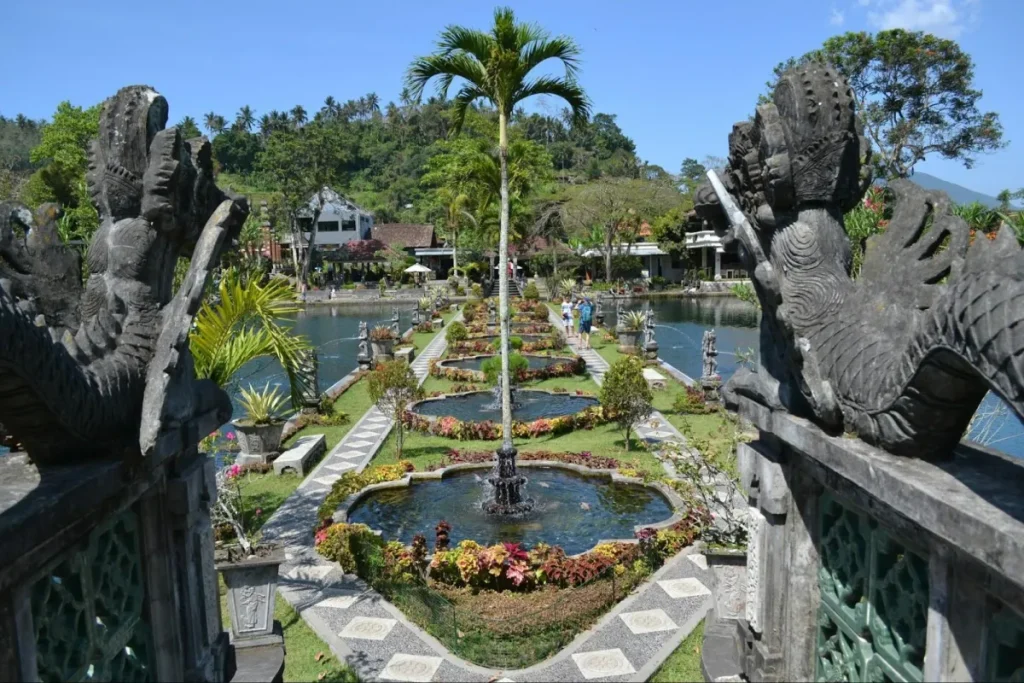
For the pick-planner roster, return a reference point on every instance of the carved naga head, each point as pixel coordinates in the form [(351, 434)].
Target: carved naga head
[(137, 167), (803, 149)]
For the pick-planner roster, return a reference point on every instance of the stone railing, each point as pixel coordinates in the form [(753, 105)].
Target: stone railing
[(107, 572), (868, 566)]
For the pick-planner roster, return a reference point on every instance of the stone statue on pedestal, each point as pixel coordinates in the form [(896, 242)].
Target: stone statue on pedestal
[(363, 358), (710, 380), (394, 323), (650, 344)]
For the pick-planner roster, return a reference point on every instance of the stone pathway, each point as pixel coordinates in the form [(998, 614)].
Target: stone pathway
[(373, 636)]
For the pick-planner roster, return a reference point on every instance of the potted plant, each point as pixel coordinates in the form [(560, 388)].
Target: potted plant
[(658, 283), (249, 567), (382, 339), (630, 329), (259, 432)]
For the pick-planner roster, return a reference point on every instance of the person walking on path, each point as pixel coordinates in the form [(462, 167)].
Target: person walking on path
[(586, 308), (567, 317)]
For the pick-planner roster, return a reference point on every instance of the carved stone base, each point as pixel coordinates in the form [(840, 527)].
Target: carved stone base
[(651, 351), (252, 586), (711, 386), (729, 569)]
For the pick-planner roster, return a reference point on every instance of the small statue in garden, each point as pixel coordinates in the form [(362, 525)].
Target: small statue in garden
[(363, 358), (394, 323), (710, 380), (650, 344)]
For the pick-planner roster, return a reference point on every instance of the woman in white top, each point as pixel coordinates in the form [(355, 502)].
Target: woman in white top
[(567, 316)]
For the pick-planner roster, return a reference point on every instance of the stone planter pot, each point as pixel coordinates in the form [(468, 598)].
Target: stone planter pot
[(257, 442), (629, 341), (729, 572), (384, 349), (252, 586)]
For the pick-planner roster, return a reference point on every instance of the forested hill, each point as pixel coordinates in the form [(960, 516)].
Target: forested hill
[(385, 150)]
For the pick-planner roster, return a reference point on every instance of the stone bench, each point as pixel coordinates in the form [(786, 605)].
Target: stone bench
[(655, 379), (407, 354), (297, 458)]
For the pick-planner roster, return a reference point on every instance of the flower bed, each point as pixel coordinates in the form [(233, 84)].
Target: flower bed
[(568, 368), (351, 482), (504, 566), (586, 459), (552, 342), (452, 428)]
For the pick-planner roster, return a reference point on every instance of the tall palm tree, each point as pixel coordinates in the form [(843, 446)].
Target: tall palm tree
[(245, 119), (496, 66), (298, 115), (210, 120)]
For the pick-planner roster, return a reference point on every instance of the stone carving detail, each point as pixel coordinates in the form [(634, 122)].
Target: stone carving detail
[(755, 601), (363, 357), (106, 370), (904, 355), (250, 608), (394, 323), (709, 353)]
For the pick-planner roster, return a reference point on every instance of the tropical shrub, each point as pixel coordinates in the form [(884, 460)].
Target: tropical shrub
[(691, 402), (382, 333), (452, 428), (626, 395), (540, 313), (634, 321), (263, 406), (515, 343), (477, 290), (393, 387), (517, 366), (456, 332), (530, 292)]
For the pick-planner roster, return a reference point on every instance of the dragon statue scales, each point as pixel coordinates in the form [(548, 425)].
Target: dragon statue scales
[(903, 355), (106, 371)]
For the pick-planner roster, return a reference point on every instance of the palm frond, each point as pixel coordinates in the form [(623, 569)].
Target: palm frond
[(562, 48), (467, 95), (446, 67), (454, 39), (566, 88)]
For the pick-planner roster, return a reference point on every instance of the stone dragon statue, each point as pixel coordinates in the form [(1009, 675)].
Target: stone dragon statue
[(901, 356), (105, 371)]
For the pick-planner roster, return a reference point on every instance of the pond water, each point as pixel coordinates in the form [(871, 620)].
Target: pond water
[(474, 363), (611, 511), (478, 406), (680, 325)]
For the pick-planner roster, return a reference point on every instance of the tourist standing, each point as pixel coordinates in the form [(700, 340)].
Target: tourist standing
[(567, 317), (586, 320)]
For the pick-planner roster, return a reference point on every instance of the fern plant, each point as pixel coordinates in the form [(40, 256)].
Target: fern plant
[(263, 406)]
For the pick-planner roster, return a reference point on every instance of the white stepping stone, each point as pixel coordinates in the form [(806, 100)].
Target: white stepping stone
[(699, 560), (367, 435), (328, 480), (341, 466), (659, 434), (315, 572), (358, 444), (338, 601), (377, 418), (368, 628), (352, 454), (684, 588), (603, 663), (417, 668), (648, 621)]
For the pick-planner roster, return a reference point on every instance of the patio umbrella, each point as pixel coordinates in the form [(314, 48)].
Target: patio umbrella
[(417, 268)]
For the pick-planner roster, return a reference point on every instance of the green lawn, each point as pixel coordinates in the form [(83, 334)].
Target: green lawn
[(354, 403), (683, 665), (307, 658)]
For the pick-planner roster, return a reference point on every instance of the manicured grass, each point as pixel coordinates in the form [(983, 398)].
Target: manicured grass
[(684, 662), (307, 658), (354, 403), (266, 492)]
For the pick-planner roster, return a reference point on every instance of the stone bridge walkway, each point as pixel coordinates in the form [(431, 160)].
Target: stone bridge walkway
[(373, 636)]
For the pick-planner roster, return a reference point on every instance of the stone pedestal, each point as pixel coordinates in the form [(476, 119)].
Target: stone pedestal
[(711, 386), (252, 586), (651, 351)]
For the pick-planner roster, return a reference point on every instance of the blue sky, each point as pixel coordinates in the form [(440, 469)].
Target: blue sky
[(677, 74)]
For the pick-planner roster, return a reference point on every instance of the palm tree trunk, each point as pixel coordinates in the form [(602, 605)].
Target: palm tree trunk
[(455, 252), (296, 243), (608, 255), (506, 386)]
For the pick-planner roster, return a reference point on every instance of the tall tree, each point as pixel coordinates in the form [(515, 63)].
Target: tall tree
[(496, 67), (303, 163), (916, 95), (245, 119), (298, 115), (188, 128), (692, 173), (214, 123)]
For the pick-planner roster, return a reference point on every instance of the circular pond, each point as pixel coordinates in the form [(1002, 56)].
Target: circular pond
[(475, 362), (477, 406), (570, 510)]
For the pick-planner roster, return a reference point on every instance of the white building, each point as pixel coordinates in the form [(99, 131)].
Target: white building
[(340, 222), (713, 257)]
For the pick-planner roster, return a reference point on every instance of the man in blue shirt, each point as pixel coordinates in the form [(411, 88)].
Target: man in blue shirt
[(586, 308)]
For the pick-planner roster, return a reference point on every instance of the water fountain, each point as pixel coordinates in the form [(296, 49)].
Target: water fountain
[(508, 485)]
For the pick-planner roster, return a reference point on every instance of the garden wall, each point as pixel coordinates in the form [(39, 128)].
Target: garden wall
[(107, 572), (868, 566)]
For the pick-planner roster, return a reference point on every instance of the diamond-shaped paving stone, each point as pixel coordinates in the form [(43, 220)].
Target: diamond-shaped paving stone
[(338, 601), (366, 435), (659, 434), (352, 454), (648, 621), (315, 572), (358, 444), (699, 560), (368, 628), (377, 418), (603, 663), (684, 588), (404, 667), (341, 466), (328, 480)]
